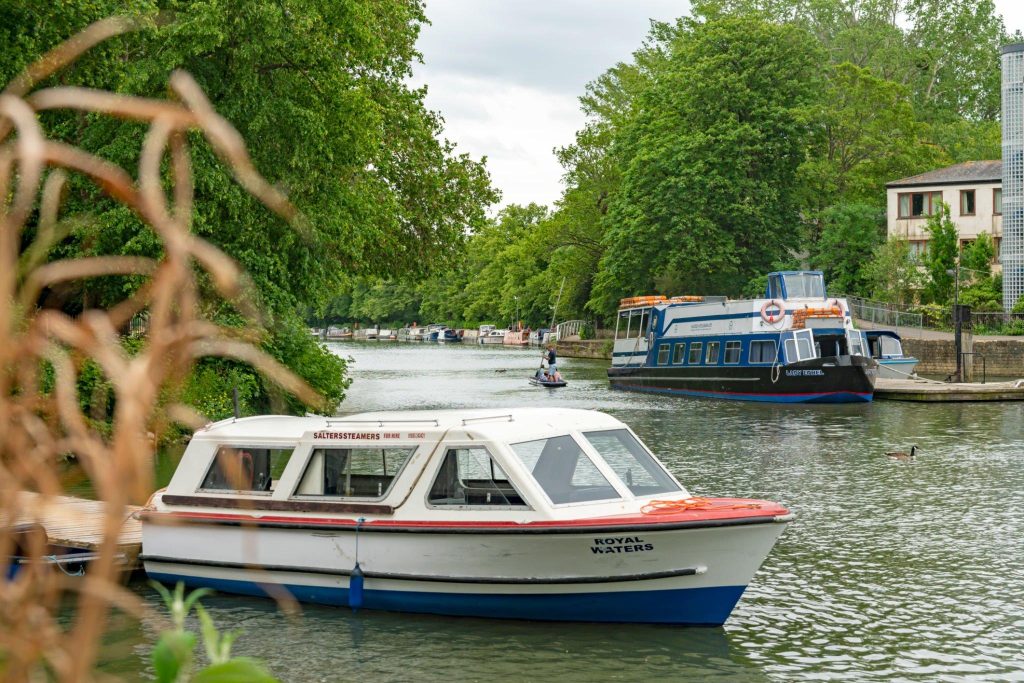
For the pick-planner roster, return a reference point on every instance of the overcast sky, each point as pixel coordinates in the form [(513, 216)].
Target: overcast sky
[(506, 75)]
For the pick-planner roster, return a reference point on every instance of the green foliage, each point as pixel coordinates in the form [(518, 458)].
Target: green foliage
[(851, 233), (1018, 306), (320, 92), (893, 273), (724, 122), (209, 389), (173, 655), (977, 257), (943, 247)]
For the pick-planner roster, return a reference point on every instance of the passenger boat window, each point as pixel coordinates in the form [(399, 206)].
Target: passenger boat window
[(712, 357), (805, 286), (695, 351), (352, 472), (641, 473), (469, 476), (800, 346), (564, 471), (857, 343), (732, 352), (677, 353), (663, 354), (762, 351), (246, 468)]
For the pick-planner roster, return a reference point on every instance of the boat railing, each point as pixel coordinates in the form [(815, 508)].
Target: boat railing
[(380, 423), (483, 418)]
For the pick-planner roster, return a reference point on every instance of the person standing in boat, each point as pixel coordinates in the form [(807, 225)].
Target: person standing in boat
[(552, 364)]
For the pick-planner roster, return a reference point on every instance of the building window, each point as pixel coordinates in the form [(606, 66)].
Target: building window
[(997, 201), (919, 204), (695, 348), (677, 353), (918, 248), (732, 352), (762, 351), (967, 203), (712, 357)]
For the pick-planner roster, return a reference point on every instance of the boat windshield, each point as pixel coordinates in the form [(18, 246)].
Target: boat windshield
[(642, 474), (890, 347), (804, 285), (564, 471)]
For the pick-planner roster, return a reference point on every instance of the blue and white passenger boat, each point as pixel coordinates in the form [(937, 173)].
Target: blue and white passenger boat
[(528, 513), (795, 345)]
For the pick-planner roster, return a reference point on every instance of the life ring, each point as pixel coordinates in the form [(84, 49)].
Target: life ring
[(768, 317)]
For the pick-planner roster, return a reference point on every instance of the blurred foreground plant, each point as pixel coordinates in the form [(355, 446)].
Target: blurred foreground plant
[(173, 655), (43, 352)]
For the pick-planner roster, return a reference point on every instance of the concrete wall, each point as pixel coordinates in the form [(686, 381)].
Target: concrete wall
[(1003, 358), (598, 348)]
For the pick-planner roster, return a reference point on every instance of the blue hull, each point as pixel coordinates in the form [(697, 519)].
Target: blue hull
[(825, 397), (692, 606)]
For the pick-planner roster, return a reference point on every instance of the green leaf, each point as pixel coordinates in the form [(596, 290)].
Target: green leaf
[(238, 670), (172, 655)]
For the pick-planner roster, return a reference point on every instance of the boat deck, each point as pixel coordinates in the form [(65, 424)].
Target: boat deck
[(78, 523), (933, 391)]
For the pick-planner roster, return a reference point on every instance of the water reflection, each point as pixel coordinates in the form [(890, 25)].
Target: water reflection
[(892, 570)]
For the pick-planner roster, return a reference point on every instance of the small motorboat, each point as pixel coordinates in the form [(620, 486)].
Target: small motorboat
[(493, 336), (886, 347), (528, 513), (448, 335)]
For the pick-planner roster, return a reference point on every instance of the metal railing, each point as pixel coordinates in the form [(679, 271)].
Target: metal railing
[(880, 313), (570, 328)]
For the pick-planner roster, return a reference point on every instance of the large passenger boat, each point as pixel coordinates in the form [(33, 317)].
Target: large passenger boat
[(795, 345), (548, 514)]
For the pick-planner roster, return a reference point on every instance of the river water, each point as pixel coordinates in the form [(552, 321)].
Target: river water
[(892, 570)]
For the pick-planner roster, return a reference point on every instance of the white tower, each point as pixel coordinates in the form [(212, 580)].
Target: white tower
[(1012, 252)]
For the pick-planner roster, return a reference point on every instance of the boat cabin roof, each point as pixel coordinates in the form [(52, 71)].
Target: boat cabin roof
[(496, 424)]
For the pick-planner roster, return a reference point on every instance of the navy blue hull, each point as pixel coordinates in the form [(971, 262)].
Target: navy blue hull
[(692, 606), (848, 379)]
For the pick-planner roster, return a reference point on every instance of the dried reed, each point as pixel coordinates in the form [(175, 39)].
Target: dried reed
[(37, 426)]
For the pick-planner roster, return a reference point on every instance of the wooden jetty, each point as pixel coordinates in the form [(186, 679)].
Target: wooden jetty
[(78, 523), (939, 392)]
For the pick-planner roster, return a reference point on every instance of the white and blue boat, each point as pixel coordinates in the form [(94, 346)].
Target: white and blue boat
[(528, 513), (795, 345), (887, 348)]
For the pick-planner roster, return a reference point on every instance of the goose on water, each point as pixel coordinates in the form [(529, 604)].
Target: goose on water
[(902, 455)]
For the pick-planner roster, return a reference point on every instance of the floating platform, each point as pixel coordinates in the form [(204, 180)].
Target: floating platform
[(932, 391), (78, 523)]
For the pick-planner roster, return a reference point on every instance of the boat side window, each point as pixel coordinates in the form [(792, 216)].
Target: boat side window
[(246, 468), (791, 356), (641, 473), (564, 471), (469, 476), (890, 347), (663, 353), (352, 472), (712, 357), (762, 351), (695, 351), (732, 352), (677, 353)]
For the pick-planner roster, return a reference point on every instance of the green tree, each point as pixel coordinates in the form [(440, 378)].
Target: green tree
[(940, 259), (977, 257), (710, 161), (894, 273), (320, 91), (850, 235)]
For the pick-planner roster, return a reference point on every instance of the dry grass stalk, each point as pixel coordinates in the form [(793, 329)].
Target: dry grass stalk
[(38, 427)]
